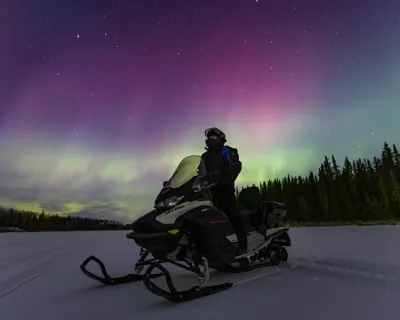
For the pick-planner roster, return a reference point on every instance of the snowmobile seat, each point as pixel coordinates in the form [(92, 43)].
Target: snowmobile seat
[(250, 207), (258, 214), (250, 198)]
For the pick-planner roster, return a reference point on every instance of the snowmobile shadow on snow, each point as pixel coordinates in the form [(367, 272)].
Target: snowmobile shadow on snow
[(186, 230)]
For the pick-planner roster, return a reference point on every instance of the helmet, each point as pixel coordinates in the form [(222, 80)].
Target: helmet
[(215, 132), (215, 137)]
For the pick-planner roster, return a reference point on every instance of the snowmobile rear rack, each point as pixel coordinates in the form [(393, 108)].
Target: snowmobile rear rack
[(107, 279), (174, 295)]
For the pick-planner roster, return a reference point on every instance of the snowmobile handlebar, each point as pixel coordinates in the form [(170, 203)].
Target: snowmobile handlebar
[(203, 185)]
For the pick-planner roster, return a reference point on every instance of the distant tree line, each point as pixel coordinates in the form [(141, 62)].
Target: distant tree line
[(361, 190), (31, 221)]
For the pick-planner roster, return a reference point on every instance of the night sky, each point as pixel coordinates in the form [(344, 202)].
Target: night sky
[(100, 100)]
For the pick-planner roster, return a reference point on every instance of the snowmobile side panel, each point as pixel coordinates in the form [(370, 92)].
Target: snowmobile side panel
[(210, 218), (170, 216), (209, 229)]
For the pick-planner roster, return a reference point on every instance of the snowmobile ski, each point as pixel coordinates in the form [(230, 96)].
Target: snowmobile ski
[(174, 295)]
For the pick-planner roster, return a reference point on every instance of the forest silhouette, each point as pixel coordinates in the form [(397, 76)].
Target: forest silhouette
[(361, 191), (32, 221)]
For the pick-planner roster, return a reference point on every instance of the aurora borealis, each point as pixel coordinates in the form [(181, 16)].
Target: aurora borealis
[(100, 100)]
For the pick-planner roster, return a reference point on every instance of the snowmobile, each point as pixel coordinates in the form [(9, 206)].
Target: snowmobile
[(185, 229)]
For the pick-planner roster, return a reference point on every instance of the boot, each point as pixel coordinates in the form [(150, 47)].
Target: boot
[(240, 251)]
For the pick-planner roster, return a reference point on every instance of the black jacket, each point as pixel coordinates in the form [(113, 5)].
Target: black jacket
[(223, 166)]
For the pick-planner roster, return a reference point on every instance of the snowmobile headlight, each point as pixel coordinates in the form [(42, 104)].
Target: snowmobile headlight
[(170, 202)]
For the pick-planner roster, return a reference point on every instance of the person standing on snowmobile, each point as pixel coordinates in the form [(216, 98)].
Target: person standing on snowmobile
[(223, 166)]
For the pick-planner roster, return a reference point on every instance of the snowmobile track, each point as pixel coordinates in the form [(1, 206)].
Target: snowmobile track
[(263, 275), (28, 276)]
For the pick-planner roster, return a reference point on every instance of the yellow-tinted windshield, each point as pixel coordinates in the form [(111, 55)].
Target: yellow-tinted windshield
[(187, 169)]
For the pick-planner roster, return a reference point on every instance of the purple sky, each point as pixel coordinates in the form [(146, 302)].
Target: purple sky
[(99, 100)]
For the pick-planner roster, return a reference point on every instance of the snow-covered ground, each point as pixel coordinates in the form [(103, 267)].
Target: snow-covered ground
[(333, 273)]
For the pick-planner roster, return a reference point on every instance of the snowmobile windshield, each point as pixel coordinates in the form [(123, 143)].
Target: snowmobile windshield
[(188, 168)]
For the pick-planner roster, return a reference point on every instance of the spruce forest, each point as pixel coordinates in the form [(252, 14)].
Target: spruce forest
[(363, 191)]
